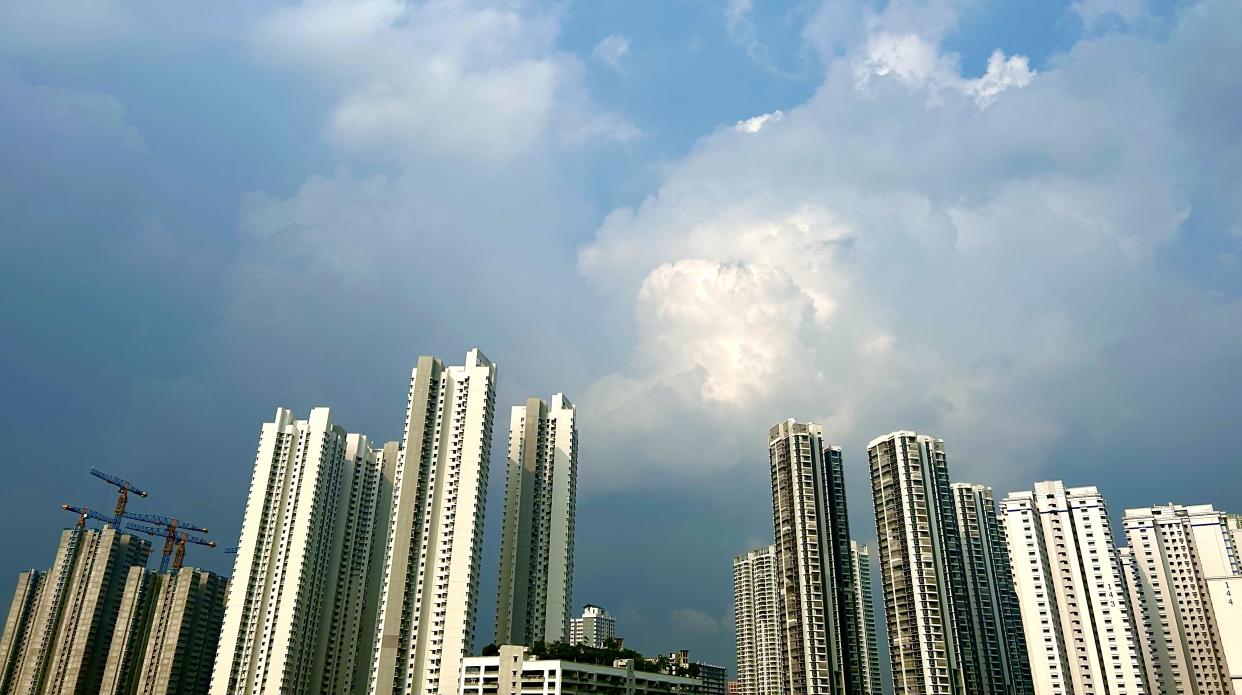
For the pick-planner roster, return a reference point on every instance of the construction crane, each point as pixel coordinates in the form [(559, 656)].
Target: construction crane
[(84, 514), (179, 541), (170, 528), (122, 497)]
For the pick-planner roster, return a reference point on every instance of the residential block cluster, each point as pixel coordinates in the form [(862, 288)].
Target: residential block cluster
[(1031, 595), (357, 571)]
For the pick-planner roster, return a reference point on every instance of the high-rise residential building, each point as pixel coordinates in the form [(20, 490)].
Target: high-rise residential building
[(1179, 638), (756, 620), (995, 621), (129, 636), (1068, 576), (167, 631), (1218, 539), (864, 605), (347, 631), (429, 597), (593, 628), (816, 590), (921, 565), (69, 629), (537, 542), (303, 542), (1234, 523), (17, 626)]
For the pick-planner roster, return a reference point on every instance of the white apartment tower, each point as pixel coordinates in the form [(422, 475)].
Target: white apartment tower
[(1218, 536), (537, 542), (1180, 641), (303, 538), (756, 620), (810, 524), (995, 621), (1069, 581), (915, 531), (429, 596), (347, 632), (593, 628), (864, 606)]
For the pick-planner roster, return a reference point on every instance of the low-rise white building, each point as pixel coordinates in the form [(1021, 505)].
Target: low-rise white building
[(514, 672), (594, 628)]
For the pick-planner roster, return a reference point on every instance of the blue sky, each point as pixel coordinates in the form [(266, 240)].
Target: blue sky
[(1013, 225)]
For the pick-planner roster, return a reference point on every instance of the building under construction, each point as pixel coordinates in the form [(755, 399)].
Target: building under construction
[(98, 622)]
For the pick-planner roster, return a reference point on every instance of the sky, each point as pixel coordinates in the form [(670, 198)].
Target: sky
[(1016, 226)]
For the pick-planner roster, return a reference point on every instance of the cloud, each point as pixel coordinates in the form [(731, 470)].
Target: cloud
[(743, 31), (695, 621), (873, 263), (918, 64), (612, 50), (60, 114), (1099, 15), (756, 123), (480, 80)]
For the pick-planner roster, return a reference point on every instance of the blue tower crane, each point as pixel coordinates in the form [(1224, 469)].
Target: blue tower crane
[(122, 497), (84, 514), (180, 541), (169, 527)]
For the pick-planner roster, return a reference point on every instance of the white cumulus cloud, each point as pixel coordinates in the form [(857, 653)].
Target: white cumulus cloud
[(612, 51)]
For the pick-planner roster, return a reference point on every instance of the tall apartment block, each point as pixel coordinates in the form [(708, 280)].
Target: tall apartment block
[(815, 577), (864, 605), (1218, 539), (1080, 632), (537, 542), (757, 623), (995, 620), (166, 635), (1179, 638), (13, 640), (347, 632), (303, 537), (593, 628), (429, 596), (921, 565), (68, 629)]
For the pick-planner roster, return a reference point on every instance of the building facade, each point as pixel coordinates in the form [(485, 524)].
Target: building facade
[(288, 571), (69, 628), (864, 602), (1179, 637), (1217, 539), (514, 672), (816, 592), (713, 679), (921, 566), (167, 632), (429, 595), (1070, 584), (995, 624), (756, 620), (17, 626), (129, 636), (537, 541), (593, 628), (347, 631)]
